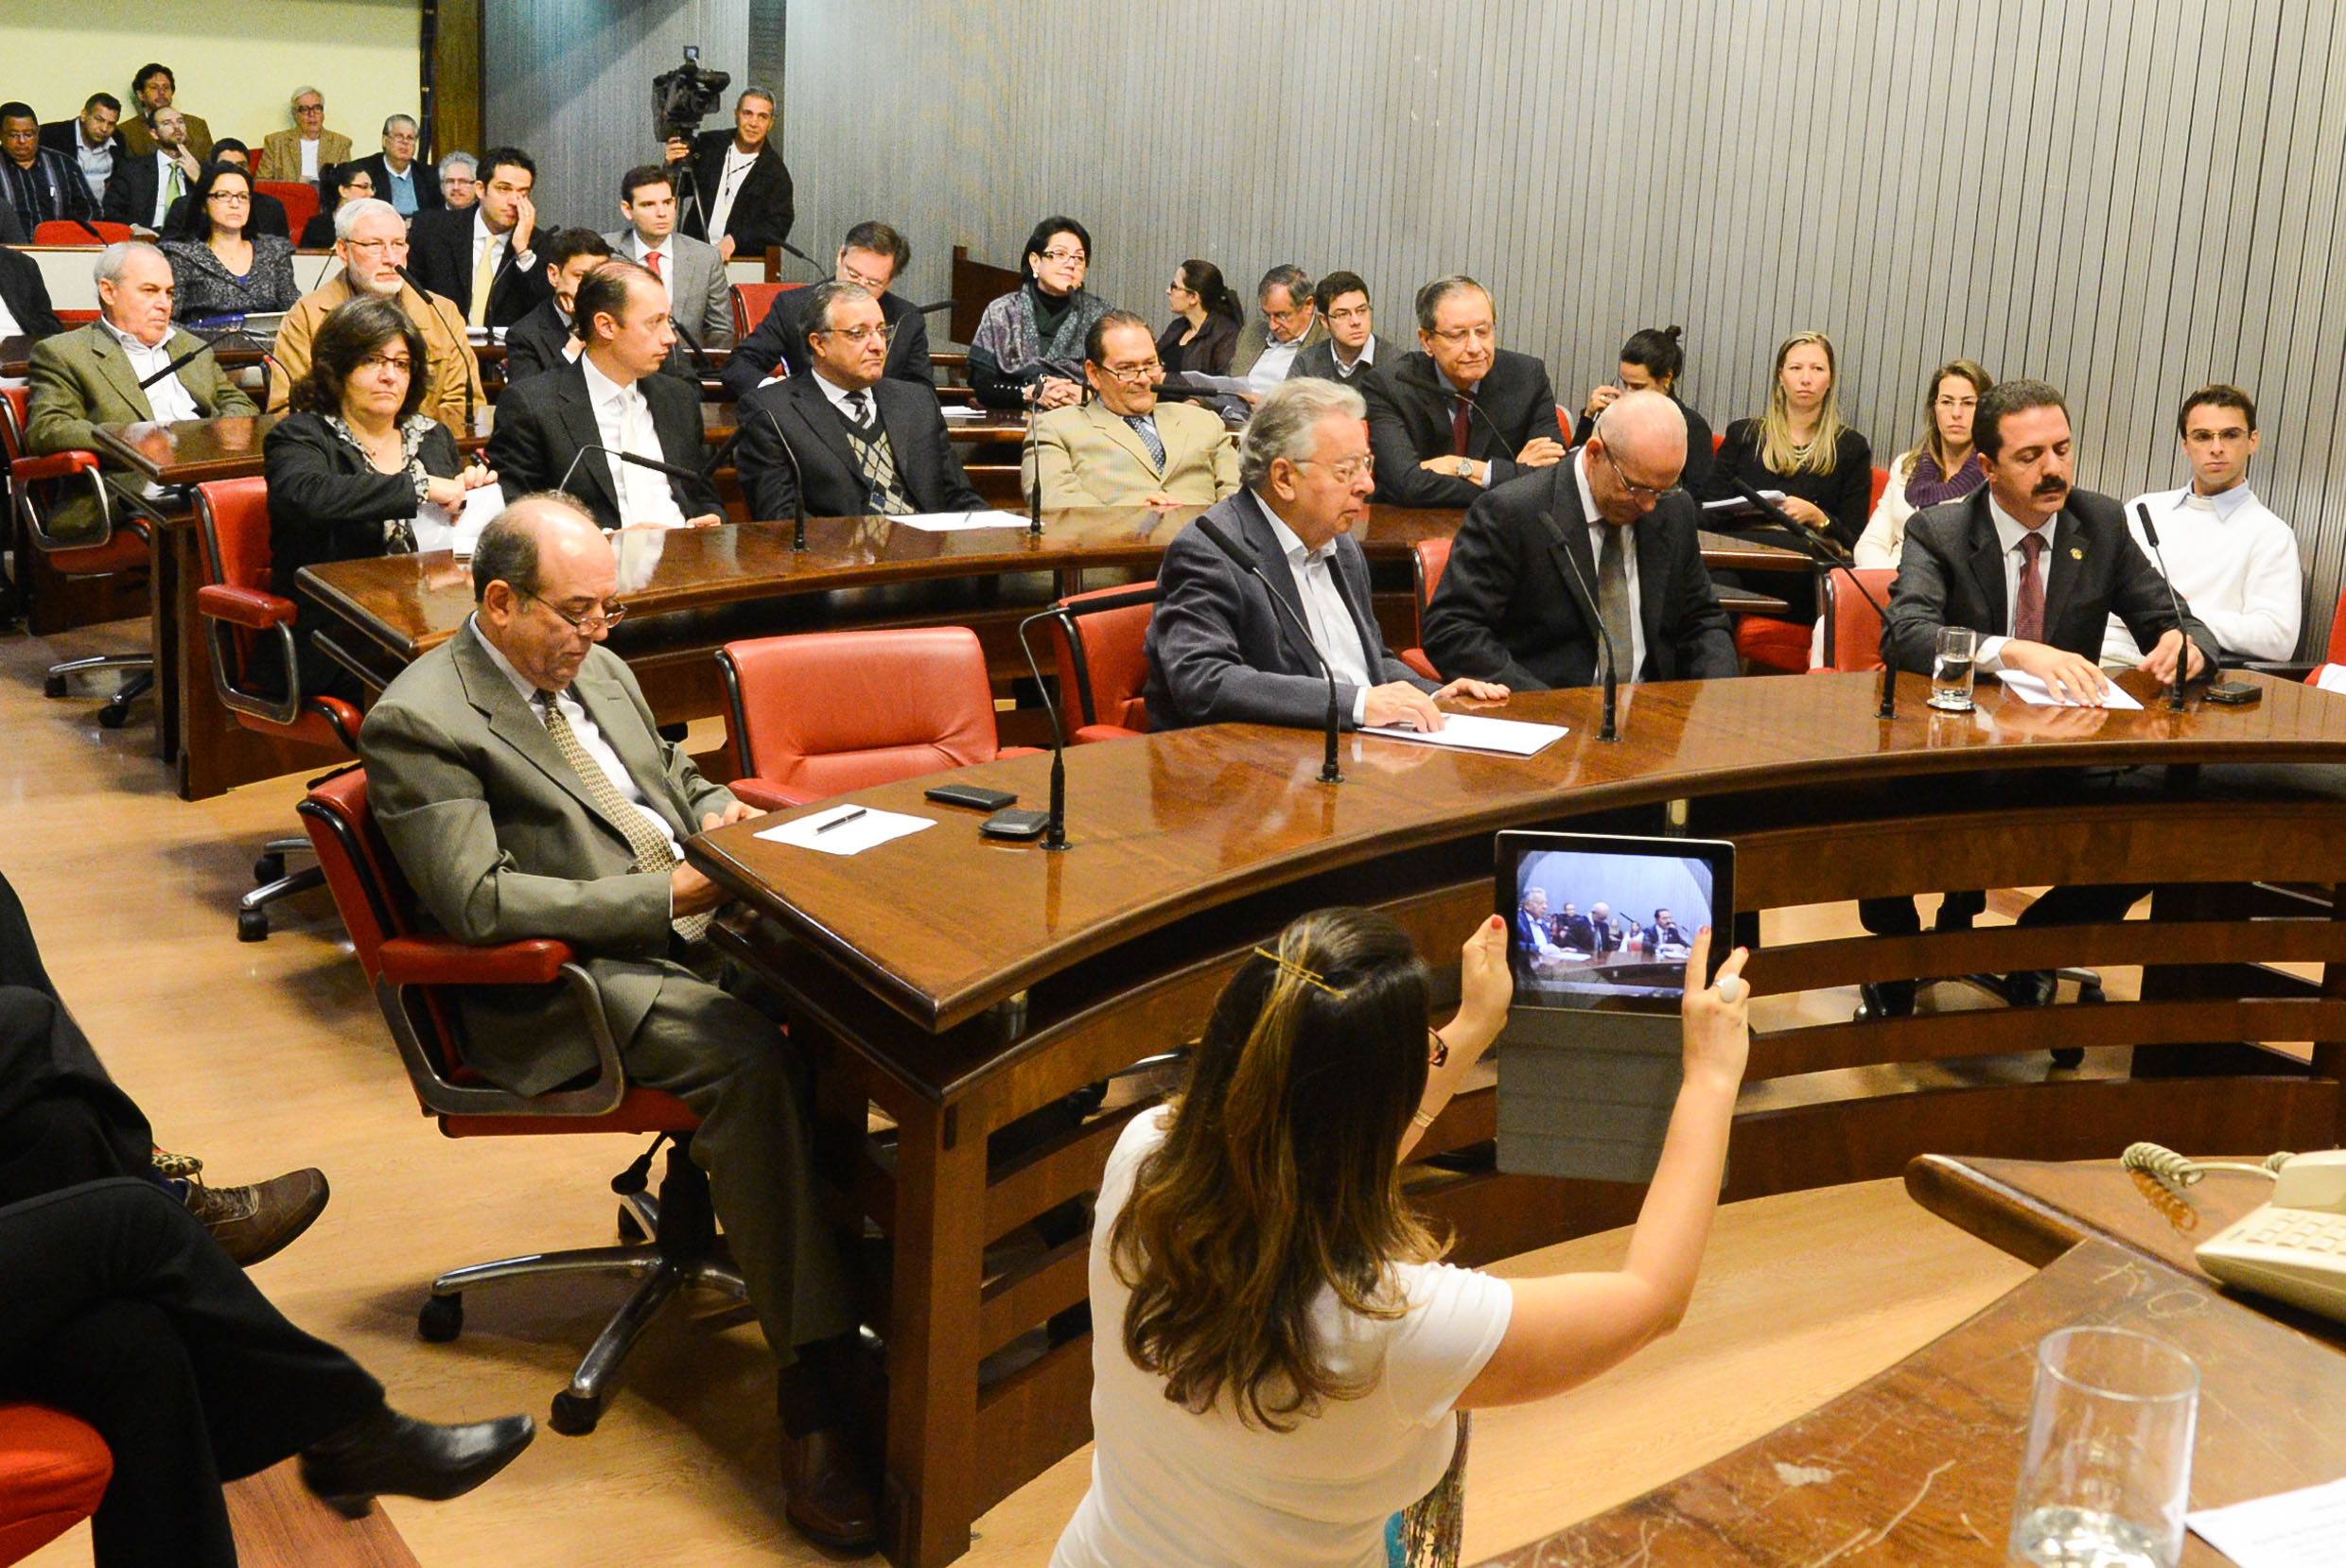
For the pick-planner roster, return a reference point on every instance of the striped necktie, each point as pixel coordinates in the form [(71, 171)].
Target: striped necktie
[(1146, 428), (653, 851)]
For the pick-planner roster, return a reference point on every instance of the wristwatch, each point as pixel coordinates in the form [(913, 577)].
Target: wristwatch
[(1466, 468)]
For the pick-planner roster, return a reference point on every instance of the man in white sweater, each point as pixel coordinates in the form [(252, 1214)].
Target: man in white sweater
[(2232, 561)]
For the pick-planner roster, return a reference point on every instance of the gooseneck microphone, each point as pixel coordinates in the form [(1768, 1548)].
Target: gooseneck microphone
[(1245, 561), (785, 244), (202, 347), (797, 475), (1609, 729), (2183, 654), (431, 302), (1825, 553), (699, 357), (1032, 460), (653, 464)]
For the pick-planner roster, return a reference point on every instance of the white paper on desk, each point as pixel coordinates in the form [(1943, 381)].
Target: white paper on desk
[(2033, 691), (962, 411), (1473, 732), (435, 530), (850, 838), (948, 522), (2291, 1529)]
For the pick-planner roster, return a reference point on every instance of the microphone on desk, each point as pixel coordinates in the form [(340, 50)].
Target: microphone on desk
[(1474, 410), (1055, 831), (1245, 562), (786, 245), (797, 475), (1825, 552), (1031, 460), (2183, 656), (431, 303), (692, 345), (653, 463), (932, 309), (204, 346), (1609, 729)]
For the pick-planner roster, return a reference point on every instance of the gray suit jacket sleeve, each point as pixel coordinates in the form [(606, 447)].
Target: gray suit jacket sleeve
[(1194, 642)]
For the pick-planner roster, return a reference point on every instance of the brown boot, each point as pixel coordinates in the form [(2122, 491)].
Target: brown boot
[(254, 1222), (830, 1501)]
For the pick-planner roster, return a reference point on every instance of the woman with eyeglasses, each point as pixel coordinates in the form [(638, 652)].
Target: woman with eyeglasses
[(352, 467), (220, 267), (1278, 1356), (353, 183), (1207, 318), (1028, 347), (1823, 468), (1942, 466)]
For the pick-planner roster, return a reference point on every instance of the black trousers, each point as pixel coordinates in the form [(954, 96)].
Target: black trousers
[(117, 1306), (2091, 904)]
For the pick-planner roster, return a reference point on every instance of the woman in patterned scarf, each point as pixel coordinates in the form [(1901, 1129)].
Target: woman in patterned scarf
[(1029, 343)]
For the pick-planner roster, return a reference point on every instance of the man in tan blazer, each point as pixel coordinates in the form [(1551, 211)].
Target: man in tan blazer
[(91, 375), (153, 90), (1125, 447), (373, 245), (520, 777), (283, 156)]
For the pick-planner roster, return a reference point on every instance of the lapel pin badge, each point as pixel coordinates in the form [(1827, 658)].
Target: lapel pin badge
[(2076, 554)]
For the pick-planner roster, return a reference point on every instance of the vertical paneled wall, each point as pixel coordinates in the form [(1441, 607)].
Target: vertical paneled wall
[(2125, 199), (569, 82)]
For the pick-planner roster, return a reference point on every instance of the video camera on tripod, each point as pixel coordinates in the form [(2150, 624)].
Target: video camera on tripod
[(683, 97)]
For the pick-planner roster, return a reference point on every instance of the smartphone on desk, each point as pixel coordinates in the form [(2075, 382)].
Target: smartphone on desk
[(2294, 1247)]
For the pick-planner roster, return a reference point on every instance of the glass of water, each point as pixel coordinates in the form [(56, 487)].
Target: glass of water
[(2108, 1472), (1950, 669)]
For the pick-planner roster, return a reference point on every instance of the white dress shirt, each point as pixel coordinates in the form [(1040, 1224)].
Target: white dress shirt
[(665, 251), (1324, 613), (96, 163), (837, 395), (1368, 357), (737, 167), (2010, 530), (167, 398), (1632, 658), (2235, 564), (164, 164), (623, 423), (589, 736), (1278, 359), (484, 240), (309, 161)]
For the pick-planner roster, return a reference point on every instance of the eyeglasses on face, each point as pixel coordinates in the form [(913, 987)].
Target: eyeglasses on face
[(1460, 337), (596, 617), (376, 247), (1644, 491), (1066, 258), (859, 336), (1146, 371), (399, 362), (1345, 470)]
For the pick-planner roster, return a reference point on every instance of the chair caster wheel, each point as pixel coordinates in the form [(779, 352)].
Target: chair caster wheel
[(251, 925), (574, 1415), (53, 686), (2069, 1055), (269, 868), (630, 1227), (442, 1319), (2090, 993), (113, 716)]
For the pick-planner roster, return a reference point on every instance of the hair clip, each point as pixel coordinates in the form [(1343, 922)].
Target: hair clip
[(1297, 971)]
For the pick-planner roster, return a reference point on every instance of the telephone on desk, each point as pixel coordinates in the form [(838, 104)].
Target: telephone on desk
[(2294, 1247)]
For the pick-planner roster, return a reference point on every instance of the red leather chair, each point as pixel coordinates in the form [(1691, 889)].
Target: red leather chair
[(412, 973), (1784, 646), (1433, 556), (751, 301), (53, 1470), (1882, 482), (826, 712), (1104, 668), (66, 232), (240, 611), (301, 202), (1852, 630), (122, 546)]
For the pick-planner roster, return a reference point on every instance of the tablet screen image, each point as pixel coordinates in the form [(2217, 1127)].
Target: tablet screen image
[(1606, 923)]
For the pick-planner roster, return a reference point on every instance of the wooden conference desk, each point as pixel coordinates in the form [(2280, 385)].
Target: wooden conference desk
[(961, 983)]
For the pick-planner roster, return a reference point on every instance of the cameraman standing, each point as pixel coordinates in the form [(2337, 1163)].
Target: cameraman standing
[(735, 192)]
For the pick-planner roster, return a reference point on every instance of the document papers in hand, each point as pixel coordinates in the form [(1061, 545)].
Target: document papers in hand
[(2293, 1529), (1473, 732), (2032, 690), (435, 530), (858, 828), (947, 522)]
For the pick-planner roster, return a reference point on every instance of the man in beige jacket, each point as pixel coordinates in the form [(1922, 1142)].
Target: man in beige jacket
[(309, 152), (373, 245), (1125, 447)]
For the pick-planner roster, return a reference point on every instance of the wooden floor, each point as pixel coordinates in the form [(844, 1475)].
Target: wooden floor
[(266, 1056)]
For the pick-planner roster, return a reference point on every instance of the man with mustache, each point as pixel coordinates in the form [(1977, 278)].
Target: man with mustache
[(2037, 567)]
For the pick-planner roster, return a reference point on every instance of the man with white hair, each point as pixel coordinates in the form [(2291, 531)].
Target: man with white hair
[(1219, 651), (460, 181), (409, 186), (309, 151), (93, 375), (373, 245), (1604, 539)]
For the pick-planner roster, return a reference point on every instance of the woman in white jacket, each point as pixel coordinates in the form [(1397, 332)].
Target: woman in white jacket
[(1942, 466)]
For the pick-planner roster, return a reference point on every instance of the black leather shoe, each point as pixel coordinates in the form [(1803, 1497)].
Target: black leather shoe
[(2030, 987), (398, 1455), (830, 1502), (1888, 999)]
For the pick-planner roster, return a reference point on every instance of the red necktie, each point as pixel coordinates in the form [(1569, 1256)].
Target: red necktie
[(2029, 612), (651, 259), (1459, 423)]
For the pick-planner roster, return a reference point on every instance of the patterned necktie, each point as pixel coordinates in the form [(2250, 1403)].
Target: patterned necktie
[(1459, 423), (859, 410), (2028, 610), (653, 853), (1613, 599), (1146, 429)]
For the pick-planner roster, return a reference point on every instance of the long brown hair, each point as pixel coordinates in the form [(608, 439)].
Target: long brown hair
[(1779, 453), (1279, 1176), (1931, 442)]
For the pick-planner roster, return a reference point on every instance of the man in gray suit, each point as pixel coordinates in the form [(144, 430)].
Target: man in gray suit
[(699, 297), (1221, 650), (518, 774), (1289, 324)]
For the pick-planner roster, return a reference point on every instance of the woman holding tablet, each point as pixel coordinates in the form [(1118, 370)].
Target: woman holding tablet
[(1277, 1355)]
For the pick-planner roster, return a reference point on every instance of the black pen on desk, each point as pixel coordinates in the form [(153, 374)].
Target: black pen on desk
[(846, 816)]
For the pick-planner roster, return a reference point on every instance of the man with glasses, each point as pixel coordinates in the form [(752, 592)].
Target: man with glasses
[(1511, 608), (309, 152), (1352, 346), (1289, 324), (866, 444), (1220, 651), (874, 256), (1463, 414), (40, 185), (372, 243), (517, 776), (1124, 448), (612, 397), (410, 187)]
